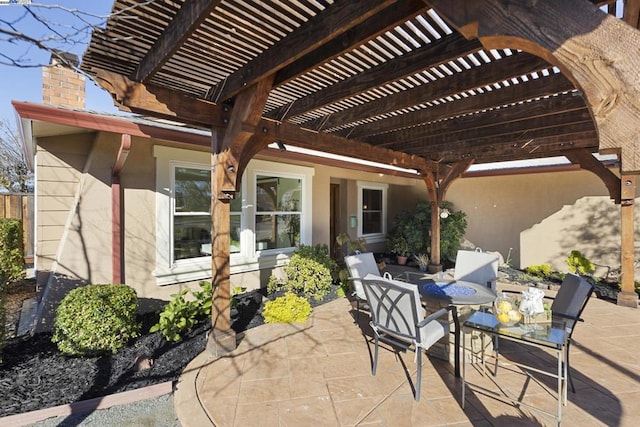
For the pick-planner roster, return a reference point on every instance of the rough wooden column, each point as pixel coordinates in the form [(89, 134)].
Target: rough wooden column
[(222, 339), (434, 195), (436, 189), (231, 150), (627, 297)]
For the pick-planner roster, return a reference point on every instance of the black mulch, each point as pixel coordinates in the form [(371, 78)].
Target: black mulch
[(34, 375)]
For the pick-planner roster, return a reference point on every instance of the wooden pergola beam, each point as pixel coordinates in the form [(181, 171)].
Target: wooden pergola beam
[(303, 40), (586, 161), (595, 50), (304, 138), (146, 98), (525, 91), (546, 112), (537, 148), (429, 56), (503, 69), (360, 34), (189, 17)]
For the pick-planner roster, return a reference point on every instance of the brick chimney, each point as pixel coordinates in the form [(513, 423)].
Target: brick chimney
[(61, 84)]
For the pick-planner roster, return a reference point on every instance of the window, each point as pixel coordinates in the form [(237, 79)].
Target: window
[(371, 211), (278, 204), (192, 214), (372, 203), (268, 217)]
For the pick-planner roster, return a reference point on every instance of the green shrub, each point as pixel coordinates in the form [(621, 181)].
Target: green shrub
[(304, 277), (319, 253), (11, 250), (579, 264), (353, 245), (543, 270), (180, 315), (288, 308), (11, 264), (96, 319), (414, 227)]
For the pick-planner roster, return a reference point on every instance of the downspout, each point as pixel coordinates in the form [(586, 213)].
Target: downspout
[(116, 211)]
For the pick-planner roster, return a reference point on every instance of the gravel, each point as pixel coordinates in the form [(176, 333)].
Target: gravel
[(158, 411)]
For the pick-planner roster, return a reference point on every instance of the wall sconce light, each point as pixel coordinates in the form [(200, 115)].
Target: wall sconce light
[(353, 221), (444, 213)]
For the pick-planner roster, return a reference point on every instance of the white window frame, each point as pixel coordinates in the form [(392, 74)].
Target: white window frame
[(373, 237), (285, 171), (248, 259), (173, 166)]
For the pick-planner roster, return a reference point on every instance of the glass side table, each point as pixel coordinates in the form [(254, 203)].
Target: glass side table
[(552, 335)]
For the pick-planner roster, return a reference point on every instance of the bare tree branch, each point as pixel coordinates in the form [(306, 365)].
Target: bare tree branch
[(15, 175)]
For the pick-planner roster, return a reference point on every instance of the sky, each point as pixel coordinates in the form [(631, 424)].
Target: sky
[(70, 19)]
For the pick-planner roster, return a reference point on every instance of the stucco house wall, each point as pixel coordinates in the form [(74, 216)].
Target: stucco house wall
[(541, 217)]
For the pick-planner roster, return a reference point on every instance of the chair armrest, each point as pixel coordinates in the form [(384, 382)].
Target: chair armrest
[(434, 316)]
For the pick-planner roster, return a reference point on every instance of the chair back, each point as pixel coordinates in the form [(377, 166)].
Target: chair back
[(359, 265), (477, 267), (571, 299), (395, 307)]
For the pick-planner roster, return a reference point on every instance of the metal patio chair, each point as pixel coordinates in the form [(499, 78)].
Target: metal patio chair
[(397, 318), (477, 267), (568, 305), (359, 265)]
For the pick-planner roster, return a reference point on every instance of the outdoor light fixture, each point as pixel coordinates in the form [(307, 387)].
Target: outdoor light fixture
[(444, 213)]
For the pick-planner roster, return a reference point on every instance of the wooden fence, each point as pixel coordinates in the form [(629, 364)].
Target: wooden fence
[(20, 206)]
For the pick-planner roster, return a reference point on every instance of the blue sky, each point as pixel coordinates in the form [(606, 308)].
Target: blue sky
[(70, 18)]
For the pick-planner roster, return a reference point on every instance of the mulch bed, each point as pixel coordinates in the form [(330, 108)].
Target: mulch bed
[(35, 375)]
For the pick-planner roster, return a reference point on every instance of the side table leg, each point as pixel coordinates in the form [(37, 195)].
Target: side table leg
[(464, 370), (456, 351)]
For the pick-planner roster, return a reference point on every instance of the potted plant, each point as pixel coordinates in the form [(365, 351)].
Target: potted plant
[(400, 247), (422, 260)]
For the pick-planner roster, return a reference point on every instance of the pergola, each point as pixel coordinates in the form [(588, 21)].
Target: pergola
[(427, 85)]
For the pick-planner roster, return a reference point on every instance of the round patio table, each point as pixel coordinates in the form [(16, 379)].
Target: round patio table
[(455, 292)]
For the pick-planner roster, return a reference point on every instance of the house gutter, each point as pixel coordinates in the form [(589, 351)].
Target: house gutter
[(116, 209)]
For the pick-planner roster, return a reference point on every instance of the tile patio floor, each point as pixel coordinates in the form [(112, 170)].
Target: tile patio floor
[(319, 374)]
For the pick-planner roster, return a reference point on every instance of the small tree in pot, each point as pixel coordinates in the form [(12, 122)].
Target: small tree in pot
[(400, 247)]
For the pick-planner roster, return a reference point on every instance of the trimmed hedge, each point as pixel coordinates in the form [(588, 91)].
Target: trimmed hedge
[(11, 264), (96, 319)]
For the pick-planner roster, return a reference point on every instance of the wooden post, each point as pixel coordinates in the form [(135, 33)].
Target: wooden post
[(222, 339), (627, 297), (231, 150), (432, 183)]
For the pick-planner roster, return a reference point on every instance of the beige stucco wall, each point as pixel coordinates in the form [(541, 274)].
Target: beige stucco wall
[(541, 217), (73, 202)]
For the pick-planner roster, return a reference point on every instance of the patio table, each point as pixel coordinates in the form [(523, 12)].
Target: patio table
[(455, 293)]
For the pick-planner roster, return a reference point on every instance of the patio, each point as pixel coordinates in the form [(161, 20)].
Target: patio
[(319, 373)]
